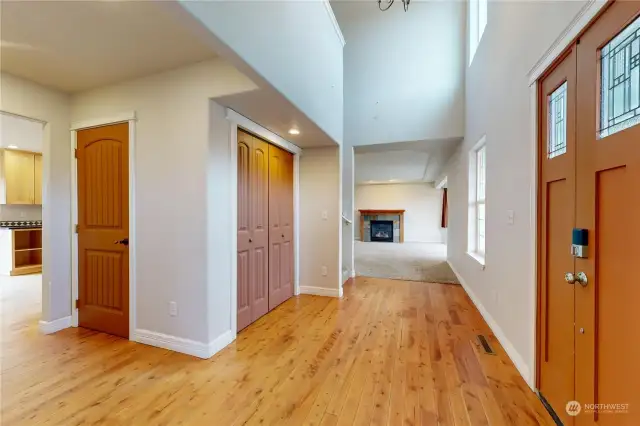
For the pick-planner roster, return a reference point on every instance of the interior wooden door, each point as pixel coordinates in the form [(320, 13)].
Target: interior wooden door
[(253, 235), (19, 177), (37, 176), (280, 226), (608, 205), (103, 228), (557, 153)]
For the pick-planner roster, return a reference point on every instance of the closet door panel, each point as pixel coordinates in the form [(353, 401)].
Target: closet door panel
[(280, 226), (244, 231), (260, 228)]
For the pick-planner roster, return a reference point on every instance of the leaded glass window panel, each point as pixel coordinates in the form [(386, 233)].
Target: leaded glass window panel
[(557, 138), (620, 81)]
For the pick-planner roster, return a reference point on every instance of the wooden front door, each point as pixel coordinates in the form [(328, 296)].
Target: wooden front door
[(280, 226), (253, 232), (557, 215), (103, 228), (605, 163), (608, 205)]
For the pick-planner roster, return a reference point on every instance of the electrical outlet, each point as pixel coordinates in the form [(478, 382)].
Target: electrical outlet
[(23, 215), (511, 217), (173, 309), (324, 271)]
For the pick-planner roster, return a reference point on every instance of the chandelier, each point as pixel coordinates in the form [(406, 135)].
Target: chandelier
[(389, 3)]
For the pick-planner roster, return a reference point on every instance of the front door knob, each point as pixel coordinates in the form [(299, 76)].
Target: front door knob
[(580, 278)]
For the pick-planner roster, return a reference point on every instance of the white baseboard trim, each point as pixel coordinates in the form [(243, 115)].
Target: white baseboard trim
[(185, 346), (513, 354), (49, 327), (321, 291), (221, 342)]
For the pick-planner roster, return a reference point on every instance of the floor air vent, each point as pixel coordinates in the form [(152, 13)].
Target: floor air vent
[(485, 345)]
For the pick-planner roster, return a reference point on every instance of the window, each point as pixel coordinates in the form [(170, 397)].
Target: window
[(557, 138), (477, 200), (477, 24), (620, 81)]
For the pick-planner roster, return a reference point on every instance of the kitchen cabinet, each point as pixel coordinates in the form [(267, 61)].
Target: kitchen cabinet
[(21, 177), (20, 251)]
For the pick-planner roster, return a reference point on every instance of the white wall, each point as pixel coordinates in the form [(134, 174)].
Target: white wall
[(422, 202), (182, 143), (291, 44), (23, 97), (320, 237), (404, 72), (498, 105), (25, 134)]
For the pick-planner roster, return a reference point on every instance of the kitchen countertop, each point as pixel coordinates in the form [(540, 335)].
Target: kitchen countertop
[(17, 224)]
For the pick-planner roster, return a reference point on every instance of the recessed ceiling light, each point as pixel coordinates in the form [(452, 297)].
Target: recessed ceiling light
[(294, 131), (12, 147)]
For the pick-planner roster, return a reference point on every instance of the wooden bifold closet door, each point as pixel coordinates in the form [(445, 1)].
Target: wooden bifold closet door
[(265, 227)]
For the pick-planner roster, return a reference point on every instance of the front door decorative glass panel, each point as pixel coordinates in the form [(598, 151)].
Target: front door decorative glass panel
[(620, 81), (557, 143)]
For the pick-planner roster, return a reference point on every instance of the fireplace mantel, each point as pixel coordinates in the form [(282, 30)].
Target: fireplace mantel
[(376, 212)]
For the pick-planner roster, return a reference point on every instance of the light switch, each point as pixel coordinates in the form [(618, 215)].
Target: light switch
[(325, 215), (511, 217)]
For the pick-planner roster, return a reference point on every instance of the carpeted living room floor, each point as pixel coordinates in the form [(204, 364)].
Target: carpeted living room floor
[(406, 261)]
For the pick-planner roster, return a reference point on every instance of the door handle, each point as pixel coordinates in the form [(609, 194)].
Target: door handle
[(250, 240), (580, 278), (124, 241)]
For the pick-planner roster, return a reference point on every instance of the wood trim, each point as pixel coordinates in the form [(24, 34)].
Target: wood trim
[(119, 118), (370, 212), (381, 211), (589, 13), (257, 130)]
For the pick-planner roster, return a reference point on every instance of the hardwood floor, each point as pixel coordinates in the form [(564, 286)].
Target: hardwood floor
[(388, 353)]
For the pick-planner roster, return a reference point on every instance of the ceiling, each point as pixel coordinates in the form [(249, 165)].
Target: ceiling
[(79, 45), (403, 162)]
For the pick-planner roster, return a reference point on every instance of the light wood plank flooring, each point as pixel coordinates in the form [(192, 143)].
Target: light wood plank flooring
[(388, 353)]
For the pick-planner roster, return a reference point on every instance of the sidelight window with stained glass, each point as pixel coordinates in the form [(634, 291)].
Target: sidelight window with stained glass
[(620, 81), (557, 138)]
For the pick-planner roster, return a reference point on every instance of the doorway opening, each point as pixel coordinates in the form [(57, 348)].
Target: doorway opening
[(401, 211), (21, 202)]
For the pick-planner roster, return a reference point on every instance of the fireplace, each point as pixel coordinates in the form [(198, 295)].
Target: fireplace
[(382, 231), (394, 218)]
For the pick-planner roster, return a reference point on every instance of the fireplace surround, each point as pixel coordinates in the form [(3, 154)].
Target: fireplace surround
[(382, 225)]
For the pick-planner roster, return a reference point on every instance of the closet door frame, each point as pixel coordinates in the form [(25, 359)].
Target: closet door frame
[(240, 122)]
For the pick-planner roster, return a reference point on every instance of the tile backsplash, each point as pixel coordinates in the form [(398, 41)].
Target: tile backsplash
[(20, 212)]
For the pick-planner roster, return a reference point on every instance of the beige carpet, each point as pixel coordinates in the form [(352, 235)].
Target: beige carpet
[(407, 261)]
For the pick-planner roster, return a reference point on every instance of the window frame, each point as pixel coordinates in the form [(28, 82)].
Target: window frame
[(477, 200)]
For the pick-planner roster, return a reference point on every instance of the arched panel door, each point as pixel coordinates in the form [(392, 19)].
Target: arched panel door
[(103, 228)]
